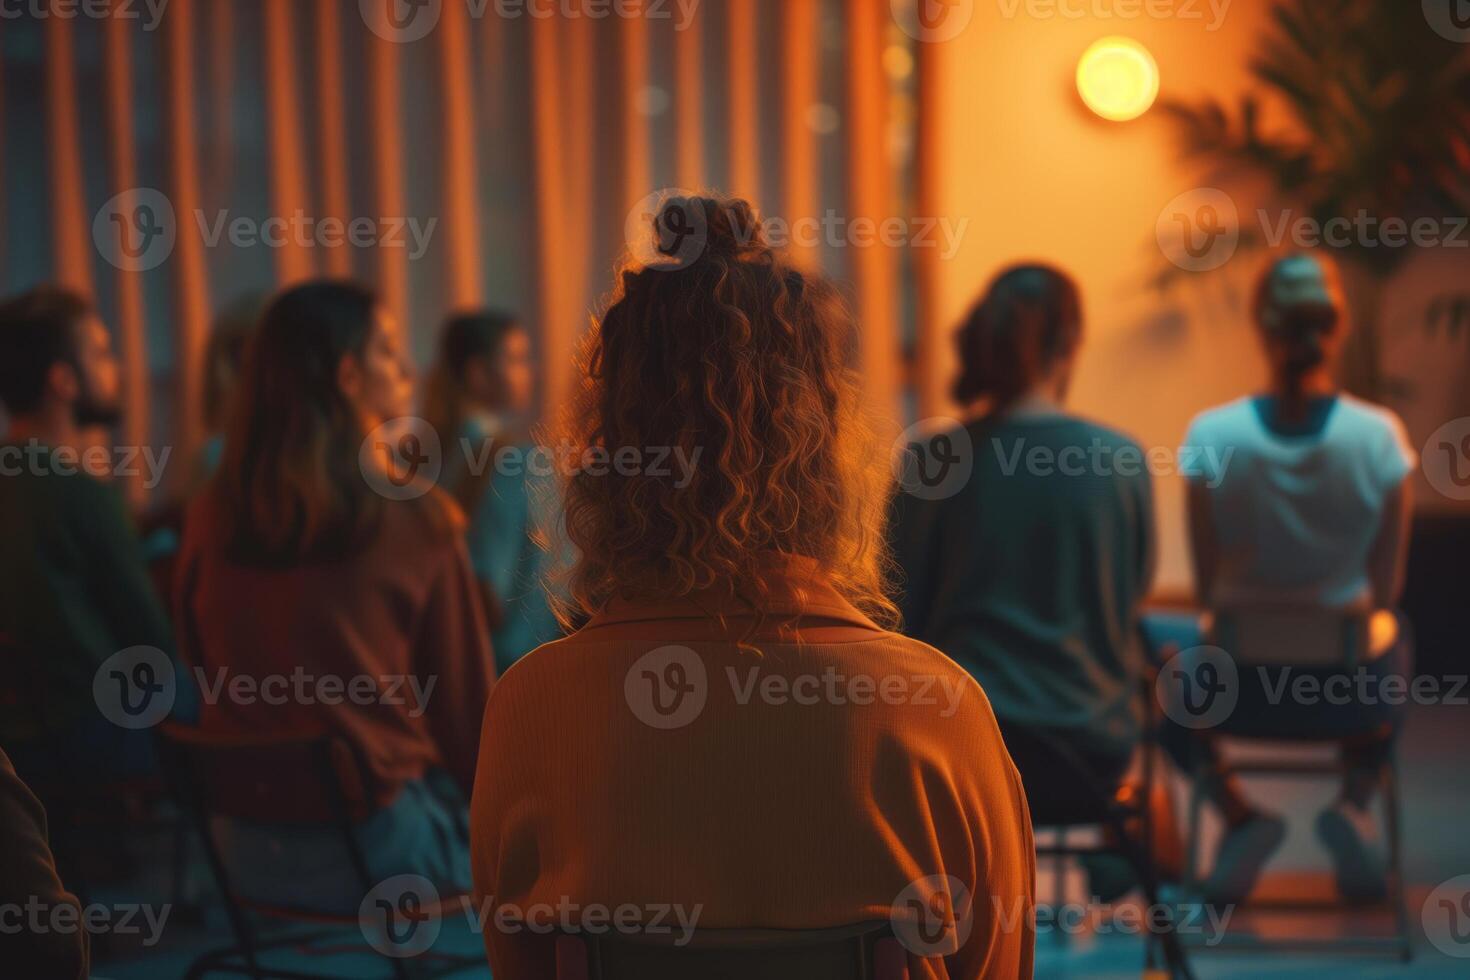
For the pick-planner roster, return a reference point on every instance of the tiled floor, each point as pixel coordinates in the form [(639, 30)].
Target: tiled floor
[(1437, 805)]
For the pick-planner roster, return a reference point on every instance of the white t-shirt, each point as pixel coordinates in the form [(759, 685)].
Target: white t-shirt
[(1296, 516)]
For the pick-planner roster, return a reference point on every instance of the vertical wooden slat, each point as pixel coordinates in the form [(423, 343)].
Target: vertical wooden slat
[(557, 304), (189, 271), (800, 56), (744, 135), (382, 72), (331, 124), (930, 363), (461, 217), (70, 227), (294, 261), (637, 159), (131, 324), (872, 197), (689, 104), (221, 71)]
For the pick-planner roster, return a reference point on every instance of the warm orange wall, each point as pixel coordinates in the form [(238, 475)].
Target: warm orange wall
[(1038, 176)]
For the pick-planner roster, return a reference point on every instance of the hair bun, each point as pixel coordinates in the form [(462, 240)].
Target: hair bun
[(690, 227)]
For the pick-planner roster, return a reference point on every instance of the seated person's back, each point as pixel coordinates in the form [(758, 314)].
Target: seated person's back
[(1031, 572), (1297, 510), (732, 737), (320, 592)]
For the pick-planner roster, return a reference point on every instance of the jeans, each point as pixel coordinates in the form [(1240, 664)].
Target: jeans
[(421, 833), (1268, 707)]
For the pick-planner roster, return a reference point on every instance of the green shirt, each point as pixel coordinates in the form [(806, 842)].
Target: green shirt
[(1030, 575), (74, 589)]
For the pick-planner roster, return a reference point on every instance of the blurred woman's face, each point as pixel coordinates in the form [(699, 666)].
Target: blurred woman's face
[(378, 383)]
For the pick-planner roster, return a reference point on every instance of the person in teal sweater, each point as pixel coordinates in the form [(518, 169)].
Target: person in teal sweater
[(1030, 570), (479, 401)]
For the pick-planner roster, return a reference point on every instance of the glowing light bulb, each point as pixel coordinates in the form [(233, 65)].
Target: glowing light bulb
[(1118, 78)]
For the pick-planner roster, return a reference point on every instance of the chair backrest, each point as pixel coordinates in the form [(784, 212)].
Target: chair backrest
[(302, 779), (1292, 636), (863, 951)]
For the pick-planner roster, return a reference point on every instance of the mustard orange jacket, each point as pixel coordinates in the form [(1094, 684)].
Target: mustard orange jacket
[(690, 765)]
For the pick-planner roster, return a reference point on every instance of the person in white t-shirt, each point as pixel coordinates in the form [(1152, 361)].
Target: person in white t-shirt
[(1308, 503)]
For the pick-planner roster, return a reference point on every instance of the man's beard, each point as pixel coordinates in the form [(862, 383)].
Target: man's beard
[(90, 412)]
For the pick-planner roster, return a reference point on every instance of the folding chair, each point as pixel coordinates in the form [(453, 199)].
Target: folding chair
[(862, 951), (299, 779), (1282, 636), (85, 816), (1098, 806)]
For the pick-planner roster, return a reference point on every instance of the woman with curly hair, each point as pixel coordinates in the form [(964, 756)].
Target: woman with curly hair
[(734, 734)]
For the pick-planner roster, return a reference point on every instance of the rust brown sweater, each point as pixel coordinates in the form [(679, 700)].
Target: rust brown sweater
[(766, 795), (387, 646)]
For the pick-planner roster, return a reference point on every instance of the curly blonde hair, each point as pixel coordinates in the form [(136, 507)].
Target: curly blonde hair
[(736, 355)]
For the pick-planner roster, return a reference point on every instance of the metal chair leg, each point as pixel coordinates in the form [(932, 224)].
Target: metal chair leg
[(1392, 805)]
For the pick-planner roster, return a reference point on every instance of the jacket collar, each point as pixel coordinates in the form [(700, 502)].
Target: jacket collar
[(800, 604)]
